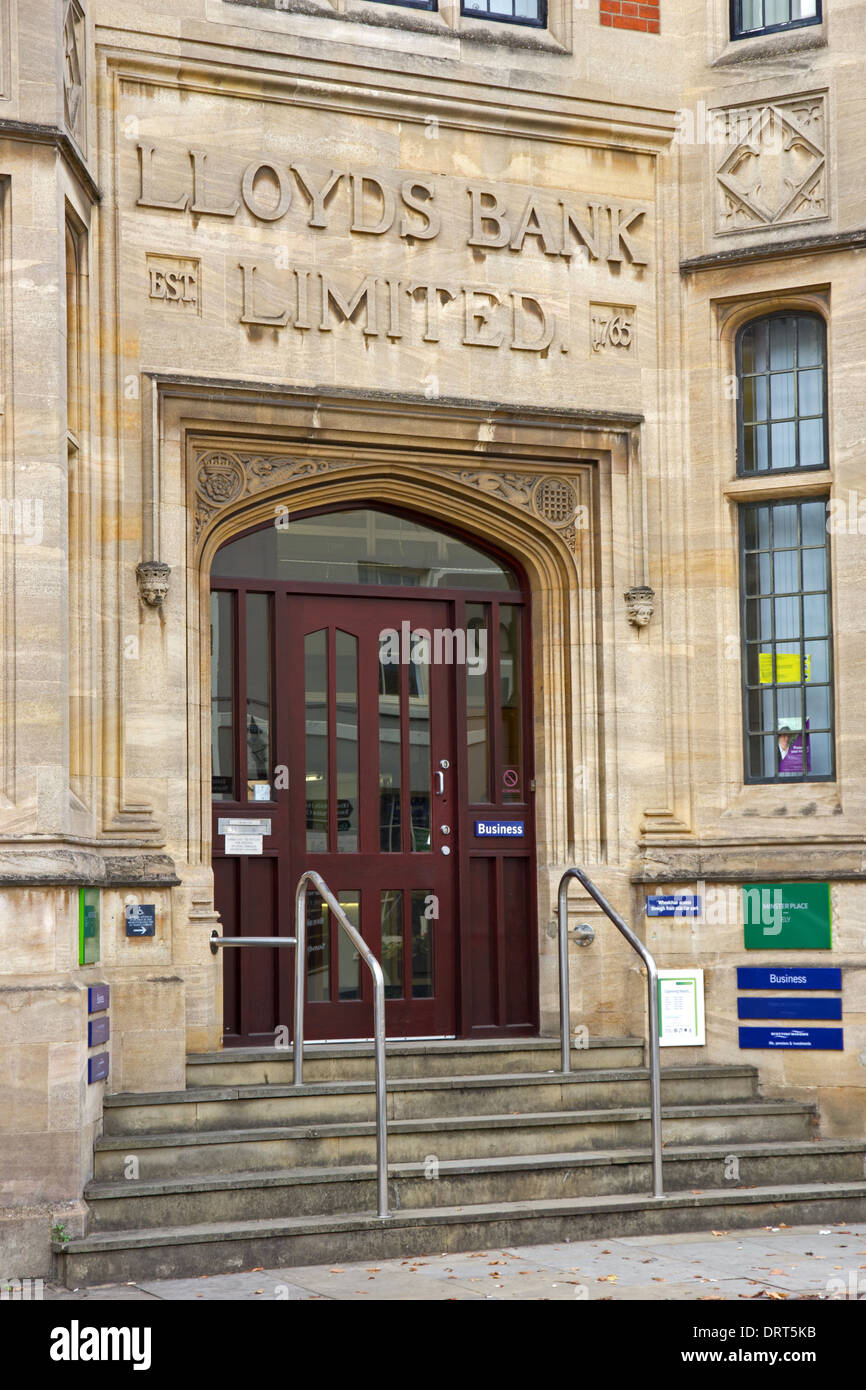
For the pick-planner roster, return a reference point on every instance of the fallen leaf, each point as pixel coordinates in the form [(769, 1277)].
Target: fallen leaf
[(333, 1271), (607, 1278)]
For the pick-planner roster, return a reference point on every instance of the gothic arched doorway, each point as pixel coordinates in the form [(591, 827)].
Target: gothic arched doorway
[(370, 699)]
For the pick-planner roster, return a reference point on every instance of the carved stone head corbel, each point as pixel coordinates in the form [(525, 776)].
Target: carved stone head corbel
[(639, 603), (152, 576)]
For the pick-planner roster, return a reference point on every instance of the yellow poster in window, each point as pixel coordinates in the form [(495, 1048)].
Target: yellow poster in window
[(788, 668)]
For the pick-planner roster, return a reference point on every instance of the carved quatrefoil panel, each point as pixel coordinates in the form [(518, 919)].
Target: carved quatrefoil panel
[(774, 169)]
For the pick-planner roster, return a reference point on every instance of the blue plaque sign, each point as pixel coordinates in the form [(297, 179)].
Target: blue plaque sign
[(820, 1039), (97, 1067), (673, 905), (500, 829), (750, 1006), (97, 998), (98, 1031), (789, 977), (140, 919)]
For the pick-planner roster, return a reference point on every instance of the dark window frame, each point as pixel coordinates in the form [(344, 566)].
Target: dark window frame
[(797, 468), (779, 780), (539, 23), (736, 32)]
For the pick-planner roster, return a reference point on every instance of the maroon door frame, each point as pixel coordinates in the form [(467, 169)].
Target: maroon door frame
[(495, 933)]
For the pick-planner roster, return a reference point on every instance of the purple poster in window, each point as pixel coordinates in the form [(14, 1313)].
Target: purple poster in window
[(791, 750)]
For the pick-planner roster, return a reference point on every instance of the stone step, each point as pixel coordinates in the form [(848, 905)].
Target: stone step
[(209, 1108), (180, 1251), (123, 1205), (440, 1057), (455, 1136)]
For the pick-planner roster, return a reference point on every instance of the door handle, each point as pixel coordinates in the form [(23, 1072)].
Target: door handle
[(440, 784)]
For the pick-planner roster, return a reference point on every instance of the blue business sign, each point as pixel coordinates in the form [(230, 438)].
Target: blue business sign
[(500, 829), (673, 905), (789, 977), (751, 1006), (98, 1031), (819, 1039), (97, 1067), (98, 998)]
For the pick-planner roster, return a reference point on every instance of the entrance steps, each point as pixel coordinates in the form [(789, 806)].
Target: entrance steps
[(489, 1144)]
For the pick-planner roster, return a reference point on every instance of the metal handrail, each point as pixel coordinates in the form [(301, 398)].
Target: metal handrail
[(585, 936), (299, 940)]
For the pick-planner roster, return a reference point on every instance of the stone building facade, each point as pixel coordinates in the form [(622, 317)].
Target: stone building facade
[(579, 285)]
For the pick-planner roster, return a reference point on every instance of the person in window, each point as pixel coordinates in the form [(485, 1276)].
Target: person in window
[(791, 751)]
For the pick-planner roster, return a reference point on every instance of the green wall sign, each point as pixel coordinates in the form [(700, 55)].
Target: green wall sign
[(88, 925), (787, 916)]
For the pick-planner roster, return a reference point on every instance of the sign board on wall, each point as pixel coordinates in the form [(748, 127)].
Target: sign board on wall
[(140, 919), (787, 916), (790, 1006), (673, 905), (681, 1008), (817, 1039), (88, 925), (789, 977)]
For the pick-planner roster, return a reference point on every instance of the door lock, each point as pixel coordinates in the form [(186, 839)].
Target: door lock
[(446, 849), (445, 829)]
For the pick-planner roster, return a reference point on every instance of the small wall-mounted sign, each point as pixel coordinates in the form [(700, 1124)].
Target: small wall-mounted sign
[(243, 844), (237, 825), (98, 1031), (140, 919), (819, 1039), (681, 1008), (673, 905), (500, 829), (787, 916), (789, 977), (97, 1067), (98, 997), (88, 925), (752, 1006)]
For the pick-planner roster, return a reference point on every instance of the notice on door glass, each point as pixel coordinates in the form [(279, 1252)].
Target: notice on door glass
[(244, 844)]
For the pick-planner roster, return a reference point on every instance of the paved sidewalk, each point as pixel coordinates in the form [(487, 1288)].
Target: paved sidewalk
[(824, 1262)]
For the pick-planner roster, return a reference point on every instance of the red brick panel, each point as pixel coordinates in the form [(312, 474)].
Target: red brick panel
[(643, 15)]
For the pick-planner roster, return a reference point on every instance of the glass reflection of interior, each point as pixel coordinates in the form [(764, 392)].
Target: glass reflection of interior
[(316, 740), (787, 635), (419, 753), (318, 949), (782, 393), (362, 547), (390, 755), (392, 942), (477, 730), (258, 714), (349, 961), (222, 703), (347, 742), (511, 715), (423, 904)]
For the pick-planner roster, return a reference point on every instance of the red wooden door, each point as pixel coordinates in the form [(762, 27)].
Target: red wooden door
[(371, 807)]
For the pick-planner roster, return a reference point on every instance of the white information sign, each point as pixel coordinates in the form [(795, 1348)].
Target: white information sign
[(229, 825), (243, 844), (681, 1008)]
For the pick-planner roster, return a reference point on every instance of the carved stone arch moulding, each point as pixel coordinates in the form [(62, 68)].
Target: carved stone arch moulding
[(223, 477)]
